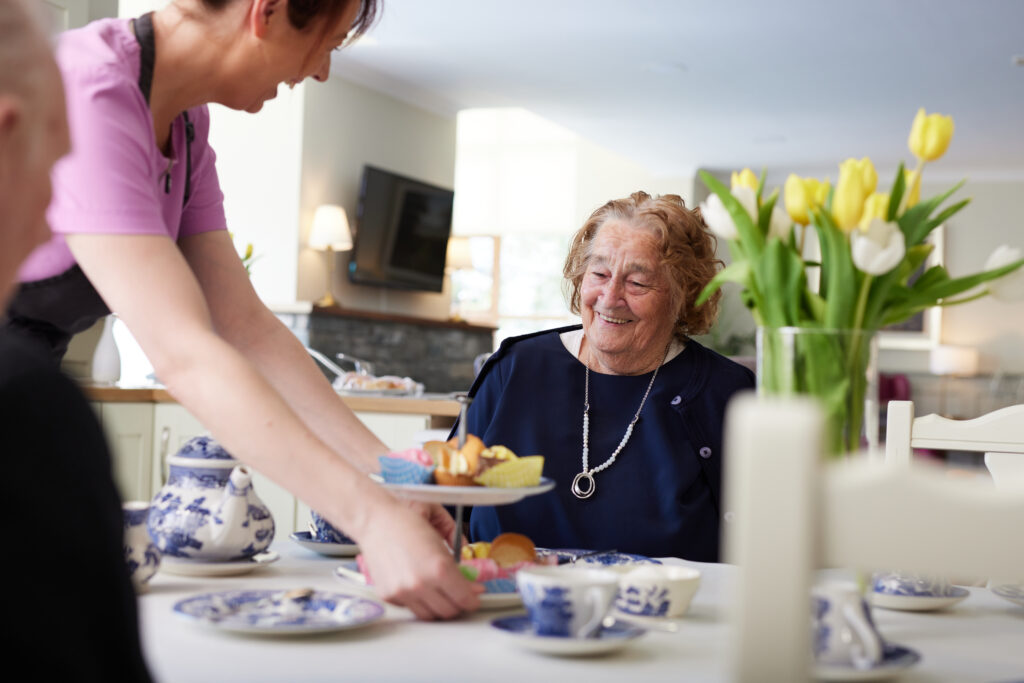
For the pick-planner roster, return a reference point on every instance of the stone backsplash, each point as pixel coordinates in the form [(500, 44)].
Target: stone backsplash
[(437, 354)]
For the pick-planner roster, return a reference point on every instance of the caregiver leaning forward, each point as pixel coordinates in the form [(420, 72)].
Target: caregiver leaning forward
[(139, 229)]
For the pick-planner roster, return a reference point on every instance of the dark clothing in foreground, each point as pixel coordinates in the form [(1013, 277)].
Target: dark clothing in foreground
[(70, 603)]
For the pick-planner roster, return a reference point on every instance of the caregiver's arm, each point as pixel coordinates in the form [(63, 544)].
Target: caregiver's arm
[(241, 319), (148, 283)]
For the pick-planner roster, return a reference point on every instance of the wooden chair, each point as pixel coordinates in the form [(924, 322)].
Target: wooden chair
[(1001, 431), (792, 514)]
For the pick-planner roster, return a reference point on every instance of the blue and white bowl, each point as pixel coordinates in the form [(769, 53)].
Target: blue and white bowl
[(325, 532), (912, 585)]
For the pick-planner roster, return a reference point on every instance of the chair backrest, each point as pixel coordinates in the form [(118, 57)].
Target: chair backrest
[(1001, 431), (793, 513)]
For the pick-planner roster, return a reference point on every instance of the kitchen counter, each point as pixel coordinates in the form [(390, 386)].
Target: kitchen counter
[(435, 405)]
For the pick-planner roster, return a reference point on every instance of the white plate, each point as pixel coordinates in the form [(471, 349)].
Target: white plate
[(306, 540), (468, 495), (896, 660), (918, 603), (520, 630), (270, 612), (1010, 591), (348, 573), (183, 567), (380, 392)]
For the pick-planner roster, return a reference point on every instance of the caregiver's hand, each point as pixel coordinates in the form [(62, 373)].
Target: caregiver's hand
[(412, 567)]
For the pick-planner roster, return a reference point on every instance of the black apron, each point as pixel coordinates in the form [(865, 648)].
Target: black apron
[(52, 310)]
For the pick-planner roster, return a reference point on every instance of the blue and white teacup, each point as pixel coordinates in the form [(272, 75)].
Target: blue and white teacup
[(843, 631), (325, 532), (141, 555), (657, 590), (567, 602), (911, 585)]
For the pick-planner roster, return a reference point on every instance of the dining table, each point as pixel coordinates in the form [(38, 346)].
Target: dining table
[(981, 639)]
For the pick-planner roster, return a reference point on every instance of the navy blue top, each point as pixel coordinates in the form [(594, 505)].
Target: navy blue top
[(661, 497)]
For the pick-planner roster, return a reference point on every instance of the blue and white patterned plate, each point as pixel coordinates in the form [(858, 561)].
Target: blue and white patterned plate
[(499, 594), (1013, 592), (918, 603), (603, 560), (326, 548), (274, 613), (895, 660), (611, 638)]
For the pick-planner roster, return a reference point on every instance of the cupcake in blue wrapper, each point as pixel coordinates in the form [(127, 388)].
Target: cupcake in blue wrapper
[(411, 466)]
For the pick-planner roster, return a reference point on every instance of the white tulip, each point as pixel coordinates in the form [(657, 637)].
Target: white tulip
[(1009, 287), (780, 224), (718, 218), (878, 249)]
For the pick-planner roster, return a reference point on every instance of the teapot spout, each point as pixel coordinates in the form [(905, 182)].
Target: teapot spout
[(231, 517)]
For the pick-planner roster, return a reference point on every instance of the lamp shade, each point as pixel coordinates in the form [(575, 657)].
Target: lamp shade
[(330, 229), (953, 360), (458, 256)]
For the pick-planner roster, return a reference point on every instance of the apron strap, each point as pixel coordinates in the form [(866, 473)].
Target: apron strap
[(143, 29)]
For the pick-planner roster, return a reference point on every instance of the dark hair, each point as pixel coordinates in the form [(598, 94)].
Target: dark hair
[(687, 254), (302, 12)]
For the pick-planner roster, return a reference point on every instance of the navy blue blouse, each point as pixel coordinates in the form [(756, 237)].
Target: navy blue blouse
[(661, 497)]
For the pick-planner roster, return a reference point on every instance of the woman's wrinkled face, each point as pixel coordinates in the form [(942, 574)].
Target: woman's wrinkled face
[(625, 300), (290, 56)]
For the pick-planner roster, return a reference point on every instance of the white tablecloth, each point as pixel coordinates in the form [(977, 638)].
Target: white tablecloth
[(981, 639)]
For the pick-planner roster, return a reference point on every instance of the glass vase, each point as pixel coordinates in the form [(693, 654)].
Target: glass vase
[(838, 367)]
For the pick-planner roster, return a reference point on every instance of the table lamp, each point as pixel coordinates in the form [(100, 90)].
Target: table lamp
[(330, 233)]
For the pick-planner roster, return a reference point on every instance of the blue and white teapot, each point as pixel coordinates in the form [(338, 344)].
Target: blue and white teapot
[(208, 510)]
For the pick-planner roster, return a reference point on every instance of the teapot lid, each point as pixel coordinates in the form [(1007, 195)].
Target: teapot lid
[(203, 448)]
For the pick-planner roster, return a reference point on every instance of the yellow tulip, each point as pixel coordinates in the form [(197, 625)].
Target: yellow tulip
[(248, 252), (801, 195), (866, 169), (848, 199), (745, 178), (912, 188), (930, 135), (875, 206)]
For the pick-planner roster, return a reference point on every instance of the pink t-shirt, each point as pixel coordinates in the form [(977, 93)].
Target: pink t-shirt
[(114, 181)]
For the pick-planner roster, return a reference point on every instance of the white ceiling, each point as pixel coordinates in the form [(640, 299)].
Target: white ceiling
[(679, 84)]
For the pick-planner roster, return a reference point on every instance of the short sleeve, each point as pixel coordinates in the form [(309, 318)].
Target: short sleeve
[(108, 183)]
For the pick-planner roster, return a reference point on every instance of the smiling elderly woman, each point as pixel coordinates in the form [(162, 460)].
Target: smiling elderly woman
[(627, 410)]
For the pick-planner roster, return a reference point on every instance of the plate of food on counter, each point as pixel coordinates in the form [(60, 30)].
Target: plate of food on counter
[(475, 474), (359, 383), (494, 564)]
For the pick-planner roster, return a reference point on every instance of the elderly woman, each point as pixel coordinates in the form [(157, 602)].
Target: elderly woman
[(627, 410)]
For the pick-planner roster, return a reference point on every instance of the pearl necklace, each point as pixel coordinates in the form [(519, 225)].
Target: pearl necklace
[(587, 475)]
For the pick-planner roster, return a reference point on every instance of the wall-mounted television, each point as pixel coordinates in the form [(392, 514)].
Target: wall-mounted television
[(401, 232)]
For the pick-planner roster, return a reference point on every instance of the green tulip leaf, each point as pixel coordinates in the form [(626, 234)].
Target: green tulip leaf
[(737, 271), (914, 221), (752, 239)]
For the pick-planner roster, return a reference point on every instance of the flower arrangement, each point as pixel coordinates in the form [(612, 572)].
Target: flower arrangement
[(247, 257), (871, 243)]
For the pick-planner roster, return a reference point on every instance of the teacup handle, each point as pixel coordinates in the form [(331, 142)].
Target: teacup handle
[(870, 652), (595, 597)]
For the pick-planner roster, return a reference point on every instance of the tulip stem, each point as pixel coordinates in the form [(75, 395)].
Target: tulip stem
[(862, 302), (980, 295), (908, 190)]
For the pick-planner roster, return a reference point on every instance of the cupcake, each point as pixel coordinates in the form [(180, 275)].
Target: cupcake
[(411, 466)]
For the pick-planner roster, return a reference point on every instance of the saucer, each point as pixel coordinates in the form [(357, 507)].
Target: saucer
[(184, 567), (271, 612), (306, 540), (895, 661), (1010, 591), (611, 638), (919, 603), (499, 595)]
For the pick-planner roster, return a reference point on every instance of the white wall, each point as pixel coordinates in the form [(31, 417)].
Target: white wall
[(344, 127)]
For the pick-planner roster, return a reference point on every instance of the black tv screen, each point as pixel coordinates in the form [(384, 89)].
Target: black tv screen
[(401, 232)]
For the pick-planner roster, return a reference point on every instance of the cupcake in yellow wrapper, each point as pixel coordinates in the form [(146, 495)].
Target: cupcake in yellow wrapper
[(514, 473)]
